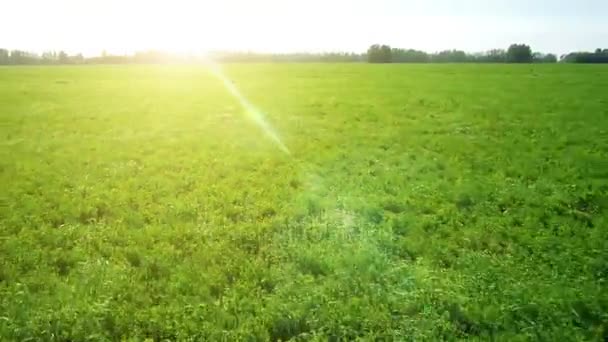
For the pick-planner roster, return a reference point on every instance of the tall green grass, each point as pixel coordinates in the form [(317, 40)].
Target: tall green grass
[(418, 203)]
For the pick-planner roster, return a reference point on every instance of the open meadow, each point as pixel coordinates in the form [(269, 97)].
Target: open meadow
[(416, 202)]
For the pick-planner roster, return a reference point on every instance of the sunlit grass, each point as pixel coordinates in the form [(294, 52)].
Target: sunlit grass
[(418, 202)]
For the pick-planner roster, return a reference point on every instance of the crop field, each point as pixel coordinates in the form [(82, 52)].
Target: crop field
[(410, 202)]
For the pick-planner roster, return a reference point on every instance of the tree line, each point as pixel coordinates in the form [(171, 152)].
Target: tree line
[(516, 53), (599, 56), (17, 57)]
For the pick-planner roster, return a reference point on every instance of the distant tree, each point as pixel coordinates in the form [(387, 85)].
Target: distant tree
[(492, 56), (4, 57), (49, 57), (379, 54), (329, 57), (539, 57), (569, 58), (63, 58), (16, 57), (23, 57), (550, 58), (375, 54), (151, 56), (599, 56), (409, 56), (230, 57), (519, 53), (386, 54), (340, 57), (450, 56), (78, 59)]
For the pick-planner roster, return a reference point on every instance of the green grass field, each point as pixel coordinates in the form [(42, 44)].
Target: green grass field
[(419, 202)]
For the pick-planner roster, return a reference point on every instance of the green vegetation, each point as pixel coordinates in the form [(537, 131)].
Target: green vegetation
[(419, 202), (516, 53)]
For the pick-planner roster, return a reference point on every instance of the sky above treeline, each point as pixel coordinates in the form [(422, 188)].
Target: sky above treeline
[(126, 26)]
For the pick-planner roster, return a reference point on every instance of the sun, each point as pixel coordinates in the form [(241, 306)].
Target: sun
[(181, 26), (128, 26), (175, 26), (193, 26)]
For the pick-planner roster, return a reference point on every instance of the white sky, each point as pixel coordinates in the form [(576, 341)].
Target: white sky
[(90, 26)]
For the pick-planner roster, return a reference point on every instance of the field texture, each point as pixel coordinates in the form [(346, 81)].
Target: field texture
[(417, 203)]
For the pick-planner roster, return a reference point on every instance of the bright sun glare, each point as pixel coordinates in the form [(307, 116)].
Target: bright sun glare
[(180, 26), (194, 26), (175, 26), (127, 26)]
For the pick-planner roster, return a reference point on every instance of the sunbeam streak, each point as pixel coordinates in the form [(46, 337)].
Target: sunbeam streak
[(252, 112)]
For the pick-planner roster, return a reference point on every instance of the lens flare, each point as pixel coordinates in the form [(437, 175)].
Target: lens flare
[(256, 115)]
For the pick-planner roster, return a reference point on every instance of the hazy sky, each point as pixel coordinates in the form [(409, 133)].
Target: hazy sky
[(90, 26)]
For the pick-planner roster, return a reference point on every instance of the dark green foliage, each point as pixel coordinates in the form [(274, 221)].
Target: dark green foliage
[(375, 54), (492, 56), (409, 56), (379, 54), (450, 56), (4, 57), (519, 53), (539, 57), (599, 56), (284, 328)]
